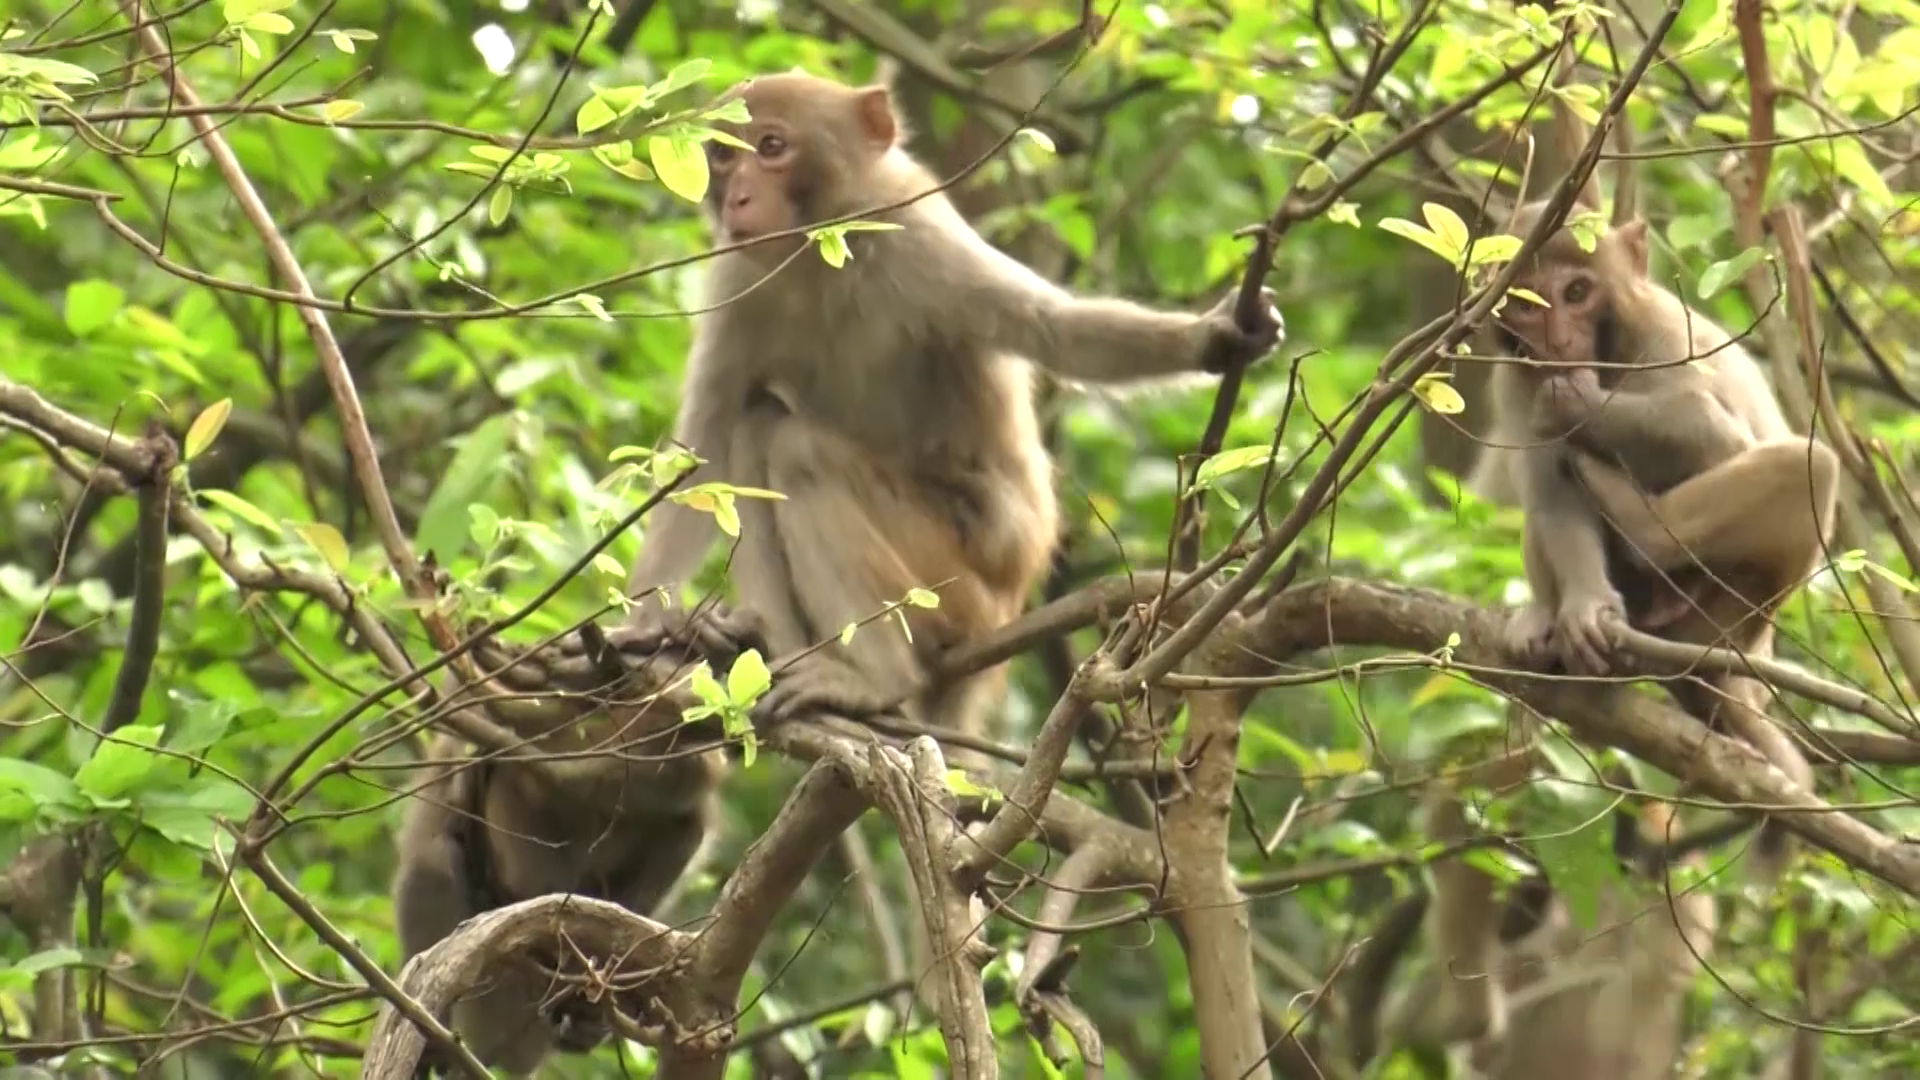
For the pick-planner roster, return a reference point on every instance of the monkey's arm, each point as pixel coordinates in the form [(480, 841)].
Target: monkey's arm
[(1104, 339), (678, 536), (1672, 421), (1566, 560)]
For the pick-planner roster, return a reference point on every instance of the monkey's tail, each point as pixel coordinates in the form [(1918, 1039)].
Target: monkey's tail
[(1373, 973)]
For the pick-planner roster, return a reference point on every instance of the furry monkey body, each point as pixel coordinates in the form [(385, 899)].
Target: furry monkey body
[(1661, 484), (889, 400)]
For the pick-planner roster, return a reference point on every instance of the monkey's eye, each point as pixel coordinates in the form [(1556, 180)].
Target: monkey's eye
[(1577, 290), (719, 153), (772, 146)]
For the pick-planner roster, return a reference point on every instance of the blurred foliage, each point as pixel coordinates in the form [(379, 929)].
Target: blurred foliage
[(373, 131)]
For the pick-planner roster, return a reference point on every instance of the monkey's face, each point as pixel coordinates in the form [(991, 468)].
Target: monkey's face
[(806, 153), (1573, 326)]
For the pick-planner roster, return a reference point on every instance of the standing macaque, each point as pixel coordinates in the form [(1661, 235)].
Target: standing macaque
[(1662, 486), (889, 400), (620, 817)]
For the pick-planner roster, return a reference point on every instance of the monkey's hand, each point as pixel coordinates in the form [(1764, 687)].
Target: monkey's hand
[(1530, 636), (1585, 631), (1568, 398), (1226, 343), (821, 683), (718, 635)]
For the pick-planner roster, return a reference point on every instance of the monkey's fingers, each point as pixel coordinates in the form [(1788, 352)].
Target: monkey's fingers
[(820, 684), (1530, 636)]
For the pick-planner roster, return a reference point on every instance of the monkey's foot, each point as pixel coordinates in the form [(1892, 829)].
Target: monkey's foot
[(821, 683), (1584, 632), (1530, 636)]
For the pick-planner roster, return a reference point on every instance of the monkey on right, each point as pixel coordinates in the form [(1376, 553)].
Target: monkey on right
[(1661, 485)]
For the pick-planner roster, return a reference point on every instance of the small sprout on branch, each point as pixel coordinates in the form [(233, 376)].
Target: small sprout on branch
[(733, 703), (833, 239), (344, 39)]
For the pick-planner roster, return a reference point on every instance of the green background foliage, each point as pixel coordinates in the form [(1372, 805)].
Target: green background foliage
[(508, 338)]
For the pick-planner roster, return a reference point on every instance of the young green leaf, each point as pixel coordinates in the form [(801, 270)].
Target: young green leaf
[(1426, 238), (682, 165), (1719, 274), (326, 540), (240, 508), (1438, 395), (1446, 224), (341, 109), (92, 305), (748, 679), (206, 427), (500, 204)]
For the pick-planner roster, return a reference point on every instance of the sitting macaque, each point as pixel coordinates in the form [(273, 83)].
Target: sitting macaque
[(620, 817), (1662, 486), (889, 400), (1543, 996)]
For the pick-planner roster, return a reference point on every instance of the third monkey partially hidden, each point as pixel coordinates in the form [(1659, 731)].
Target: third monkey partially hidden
[(888, 400), (1661, 484)]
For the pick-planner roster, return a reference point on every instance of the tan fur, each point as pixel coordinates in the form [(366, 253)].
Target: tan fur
[(1676, 497), (889, 399), (621, 818)]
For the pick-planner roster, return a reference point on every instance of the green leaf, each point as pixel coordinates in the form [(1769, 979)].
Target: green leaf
[(270, 24), (27, 788), (1039, 138), (240, 508), (326, 540), (1719, 274), (119, 762), (474, 470), (681, 77), (833, 247), (1693, 231), (682, 165), (1439, 395), (1426, 238), (1447, 225), (1497, 248), (206, 427), (48, 960), (341, 109), (239, 11), (204, 722), (500, 204), (923, 598), (748, 679), (92, 305), (1228, 462), (593, 115)]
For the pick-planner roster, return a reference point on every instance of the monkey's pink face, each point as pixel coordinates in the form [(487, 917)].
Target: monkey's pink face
[(754, 191), (1571, 328)]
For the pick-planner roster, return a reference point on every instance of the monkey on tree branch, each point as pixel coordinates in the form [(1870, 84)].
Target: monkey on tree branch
[(889, 401)]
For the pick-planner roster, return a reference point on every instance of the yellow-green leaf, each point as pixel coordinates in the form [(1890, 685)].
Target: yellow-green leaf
[(240, 508), (924, 598), (326, 540), (682, 165), (594, 114), (206, 427), (270, 23), (1426, 238), (1438, 395), (500, 204), (341, 109), (1446, 224)]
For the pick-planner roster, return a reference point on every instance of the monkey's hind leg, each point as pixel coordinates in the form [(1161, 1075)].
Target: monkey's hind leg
[(1767, 511)]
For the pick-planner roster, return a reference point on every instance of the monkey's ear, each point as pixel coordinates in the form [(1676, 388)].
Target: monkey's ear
[(873, 105), (1633, 240)]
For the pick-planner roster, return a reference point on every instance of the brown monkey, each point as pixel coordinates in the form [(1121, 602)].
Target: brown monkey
[(889, 400), (1600, 1002), (1661, 484), (620, 817)]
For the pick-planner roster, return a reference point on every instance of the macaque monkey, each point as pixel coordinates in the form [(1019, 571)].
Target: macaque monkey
[(889, 400), (1661, 484), (1600, 1002), (620, 817)]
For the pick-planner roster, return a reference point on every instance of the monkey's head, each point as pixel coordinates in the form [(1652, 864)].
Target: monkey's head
[(1582, 290), (814, 146)]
